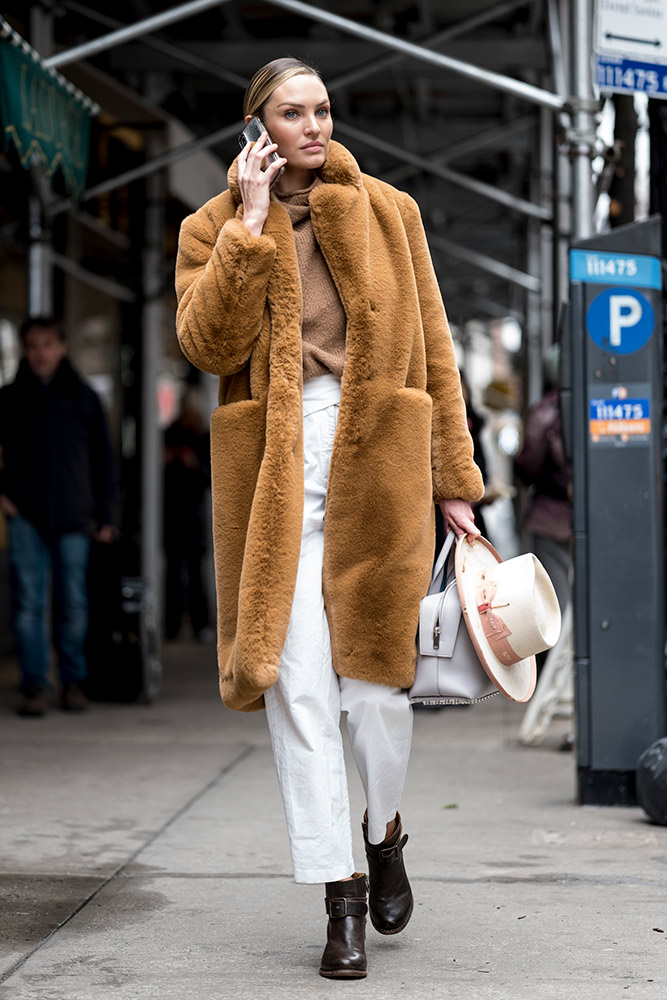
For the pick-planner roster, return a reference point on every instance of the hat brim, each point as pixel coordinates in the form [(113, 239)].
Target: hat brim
[(516, 681)]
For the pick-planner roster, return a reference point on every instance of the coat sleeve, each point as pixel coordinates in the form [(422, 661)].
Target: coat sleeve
[(454, 471), (222, 274)]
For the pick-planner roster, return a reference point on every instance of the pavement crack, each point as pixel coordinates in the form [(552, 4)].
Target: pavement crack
[(246, 752), (547, 878)]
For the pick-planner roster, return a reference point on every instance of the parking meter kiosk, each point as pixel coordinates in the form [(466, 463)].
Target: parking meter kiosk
[(615, 419)]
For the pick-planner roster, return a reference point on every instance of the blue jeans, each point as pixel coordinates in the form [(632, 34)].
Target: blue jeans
[(32, 561)]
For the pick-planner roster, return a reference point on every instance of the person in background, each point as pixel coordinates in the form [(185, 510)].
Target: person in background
[(541, 465), (187, 481), (57, 491)]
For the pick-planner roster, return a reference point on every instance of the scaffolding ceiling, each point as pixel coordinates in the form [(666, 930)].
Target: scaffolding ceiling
[(466, 150)]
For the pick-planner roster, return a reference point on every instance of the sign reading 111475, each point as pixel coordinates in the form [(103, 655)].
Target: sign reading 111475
[(631, 46)]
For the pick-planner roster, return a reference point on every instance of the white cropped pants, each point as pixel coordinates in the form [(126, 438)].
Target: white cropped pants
[(304, 706)]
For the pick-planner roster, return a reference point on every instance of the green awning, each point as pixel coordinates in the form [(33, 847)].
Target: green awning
[(42, 114)]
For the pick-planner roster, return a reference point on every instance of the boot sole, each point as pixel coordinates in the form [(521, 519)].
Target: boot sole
[(344, 974), (395, 930)]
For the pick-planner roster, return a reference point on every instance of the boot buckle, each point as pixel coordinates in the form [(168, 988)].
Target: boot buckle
[(337, 906)]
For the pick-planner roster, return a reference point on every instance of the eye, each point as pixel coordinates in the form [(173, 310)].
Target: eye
[(290, 115), (323, 112)]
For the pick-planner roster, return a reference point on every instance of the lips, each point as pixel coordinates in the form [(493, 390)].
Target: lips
[(313, 145)]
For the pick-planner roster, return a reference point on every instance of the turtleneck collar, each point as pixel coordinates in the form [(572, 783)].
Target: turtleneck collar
[(297, 203)]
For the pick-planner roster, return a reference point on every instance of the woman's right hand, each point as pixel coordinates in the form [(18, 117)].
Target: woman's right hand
[(255, 183)]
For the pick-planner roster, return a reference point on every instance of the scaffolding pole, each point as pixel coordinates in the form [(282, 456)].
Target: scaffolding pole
[(40, 267), (584, 109), (151, 437)]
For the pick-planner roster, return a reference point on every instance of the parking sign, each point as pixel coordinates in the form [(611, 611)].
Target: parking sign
[(620, 320), (631, 46)]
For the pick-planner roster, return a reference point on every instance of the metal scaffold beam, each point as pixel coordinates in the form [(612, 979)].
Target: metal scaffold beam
[(485, 263), (507, 84), (447, 174), (87, 49), (498, 81)]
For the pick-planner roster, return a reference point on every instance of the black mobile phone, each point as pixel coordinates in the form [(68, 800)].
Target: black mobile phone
[(251, 133)]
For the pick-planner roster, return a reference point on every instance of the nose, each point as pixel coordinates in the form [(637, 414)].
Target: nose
[(312, 125)]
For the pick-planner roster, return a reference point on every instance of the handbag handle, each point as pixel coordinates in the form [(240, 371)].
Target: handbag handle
[(441, 567), (442, 559), (438, 616)]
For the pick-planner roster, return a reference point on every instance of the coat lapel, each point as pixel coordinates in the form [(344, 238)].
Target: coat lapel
[(285, 302), (340, 213)]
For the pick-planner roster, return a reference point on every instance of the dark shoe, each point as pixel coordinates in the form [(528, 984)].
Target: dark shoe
[(33, 704), (345, 954), (72, 699), (390, 899)]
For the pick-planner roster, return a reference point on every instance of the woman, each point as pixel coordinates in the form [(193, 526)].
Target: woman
[(315, 302)]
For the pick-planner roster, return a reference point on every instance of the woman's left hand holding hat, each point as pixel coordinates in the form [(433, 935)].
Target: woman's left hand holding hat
[(459, 517)]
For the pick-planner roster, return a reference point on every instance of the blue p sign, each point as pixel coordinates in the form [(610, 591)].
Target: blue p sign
[(620, 320)]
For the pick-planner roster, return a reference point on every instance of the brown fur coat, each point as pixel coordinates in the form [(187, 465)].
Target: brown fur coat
[(402, 438)]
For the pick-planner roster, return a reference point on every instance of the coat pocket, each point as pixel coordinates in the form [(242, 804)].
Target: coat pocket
[(380, 492), (379, 535), (237, 450)]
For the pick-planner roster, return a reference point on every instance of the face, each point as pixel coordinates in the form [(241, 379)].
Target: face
[(43, 350), (298, 117)]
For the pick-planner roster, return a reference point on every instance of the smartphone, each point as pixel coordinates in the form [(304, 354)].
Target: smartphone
[(251, 133)]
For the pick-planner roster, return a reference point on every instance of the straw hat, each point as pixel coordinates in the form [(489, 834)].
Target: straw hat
[(511, 611)]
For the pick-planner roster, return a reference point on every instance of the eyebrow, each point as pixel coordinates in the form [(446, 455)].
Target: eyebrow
[(293, 104)]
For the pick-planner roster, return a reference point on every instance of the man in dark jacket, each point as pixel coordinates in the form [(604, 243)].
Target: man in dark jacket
[(57, 491)]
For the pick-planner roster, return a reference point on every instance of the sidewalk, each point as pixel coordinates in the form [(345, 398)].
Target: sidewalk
[(144, 857)]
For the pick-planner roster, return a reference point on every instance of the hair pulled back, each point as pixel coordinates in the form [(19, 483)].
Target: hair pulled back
[(269, 78)]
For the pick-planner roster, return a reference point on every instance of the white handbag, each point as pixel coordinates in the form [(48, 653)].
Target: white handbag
[(448, 669)]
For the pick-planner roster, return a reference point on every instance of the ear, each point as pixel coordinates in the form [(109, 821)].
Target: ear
[(247, 118)]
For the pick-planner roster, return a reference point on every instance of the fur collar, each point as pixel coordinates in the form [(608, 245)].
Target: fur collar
[(340, 168)]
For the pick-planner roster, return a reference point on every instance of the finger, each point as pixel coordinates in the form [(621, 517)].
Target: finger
[(463, 525), (242, 162), (455, 527), (262, 145), (243, 155), (275, 167)]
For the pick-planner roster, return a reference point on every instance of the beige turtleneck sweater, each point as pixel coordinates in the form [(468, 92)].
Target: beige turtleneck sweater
[(324, 320)]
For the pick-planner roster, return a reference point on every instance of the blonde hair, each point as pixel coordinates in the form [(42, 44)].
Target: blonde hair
[(269, 78)]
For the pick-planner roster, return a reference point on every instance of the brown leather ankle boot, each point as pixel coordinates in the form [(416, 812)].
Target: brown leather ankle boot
[(345, 954), (390, 899)]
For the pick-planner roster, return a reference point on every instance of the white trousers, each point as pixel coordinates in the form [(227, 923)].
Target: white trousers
[(304, 706)]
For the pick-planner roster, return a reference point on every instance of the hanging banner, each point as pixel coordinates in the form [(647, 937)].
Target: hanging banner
[(43, 116), (631, 46)]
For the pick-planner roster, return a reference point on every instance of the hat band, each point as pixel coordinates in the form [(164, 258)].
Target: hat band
[(497, 634)]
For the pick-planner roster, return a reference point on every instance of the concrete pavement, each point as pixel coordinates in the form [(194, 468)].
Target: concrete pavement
[(144, 856)]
